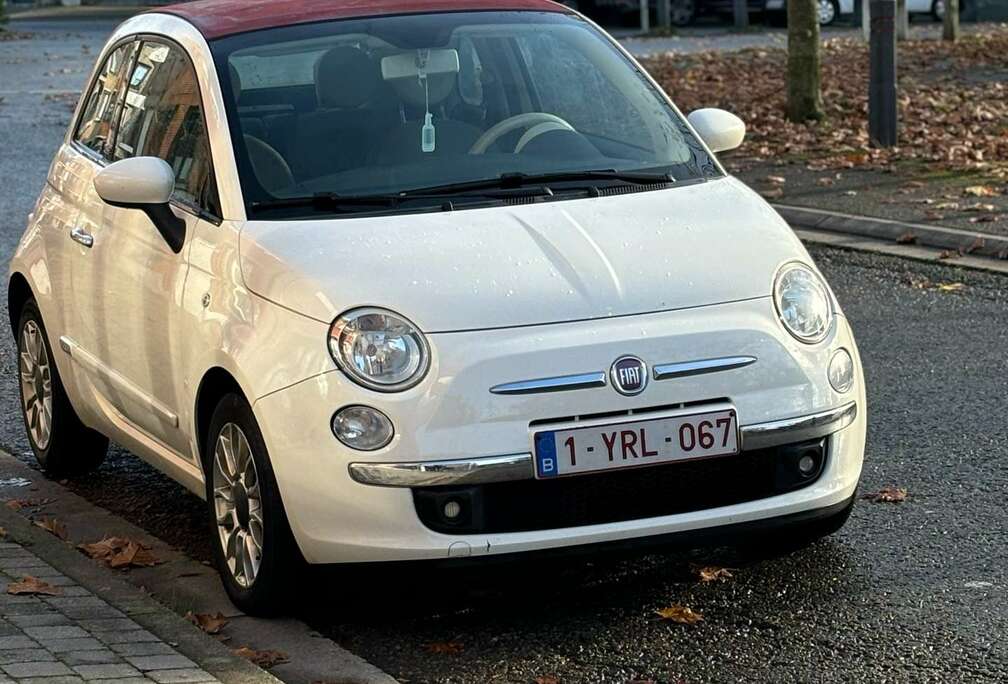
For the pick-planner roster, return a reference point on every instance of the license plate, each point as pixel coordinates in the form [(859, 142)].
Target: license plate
[(638, 443)]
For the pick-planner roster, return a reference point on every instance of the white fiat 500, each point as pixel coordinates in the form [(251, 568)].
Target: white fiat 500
[(425, 279)]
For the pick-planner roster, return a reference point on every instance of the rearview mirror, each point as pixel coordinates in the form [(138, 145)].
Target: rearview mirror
[(420, 63), (147, 184), (721, 130)]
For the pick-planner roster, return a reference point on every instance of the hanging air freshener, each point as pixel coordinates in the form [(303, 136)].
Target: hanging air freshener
[(428, 134)]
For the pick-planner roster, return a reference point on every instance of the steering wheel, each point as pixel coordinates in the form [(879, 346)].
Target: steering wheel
[(537, 123)]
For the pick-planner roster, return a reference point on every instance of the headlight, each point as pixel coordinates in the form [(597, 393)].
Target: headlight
[(379, 349), (803, 303)]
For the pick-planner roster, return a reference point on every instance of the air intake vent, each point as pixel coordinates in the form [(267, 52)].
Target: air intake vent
[(627, 189)]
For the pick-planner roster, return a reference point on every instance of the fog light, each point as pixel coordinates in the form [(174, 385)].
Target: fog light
[(452, 509), (362, 428), (806, 464), (841, 371)]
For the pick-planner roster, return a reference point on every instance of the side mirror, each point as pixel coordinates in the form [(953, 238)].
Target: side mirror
[(721, 130), (144, 183)]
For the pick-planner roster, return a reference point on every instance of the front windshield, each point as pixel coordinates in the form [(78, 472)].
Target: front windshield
[(387, 105)]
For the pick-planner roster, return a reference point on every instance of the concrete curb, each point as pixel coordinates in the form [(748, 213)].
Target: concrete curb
[(208, 653), (967, 242), (179, 584)]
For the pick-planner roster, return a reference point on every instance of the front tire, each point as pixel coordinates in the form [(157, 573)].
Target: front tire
[(255, 551), (62, 444)]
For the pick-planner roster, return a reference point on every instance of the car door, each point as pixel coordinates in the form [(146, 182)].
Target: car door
[(133, 280)]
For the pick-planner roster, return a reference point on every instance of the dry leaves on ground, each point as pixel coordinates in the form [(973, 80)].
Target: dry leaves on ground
[(712, 573), (445, 647), (32, 586), (949, 287), (264, 659), (211, 624), (119, 553), (546, 679), (953, 101), (684, 615), (888, 494), (53, 526), (906, 238), (21, 504)]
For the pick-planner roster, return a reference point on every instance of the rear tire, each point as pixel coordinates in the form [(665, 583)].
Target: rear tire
[(254, 550), (62, 444)]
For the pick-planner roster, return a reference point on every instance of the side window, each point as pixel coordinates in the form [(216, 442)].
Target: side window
[(163, 117), (98, 115)]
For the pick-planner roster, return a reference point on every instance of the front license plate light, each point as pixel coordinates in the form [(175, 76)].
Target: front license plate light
[(629, 444)]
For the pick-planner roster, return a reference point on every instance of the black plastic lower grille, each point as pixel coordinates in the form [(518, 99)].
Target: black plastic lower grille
[(620, 495)]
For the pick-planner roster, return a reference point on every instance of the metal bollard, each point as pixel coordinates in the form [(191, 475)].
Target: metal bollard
[(883, 115)]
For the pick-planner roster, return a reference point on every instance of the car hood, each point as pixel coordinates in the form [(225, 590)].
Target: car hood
[(688, 246)]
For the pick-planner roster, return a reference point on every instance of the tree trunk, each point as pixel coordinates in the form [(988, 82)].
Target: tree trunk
[(645, 16), (866, 19), (741, 14), (902, 20), (951, 31), (804, 91), (3, 13)]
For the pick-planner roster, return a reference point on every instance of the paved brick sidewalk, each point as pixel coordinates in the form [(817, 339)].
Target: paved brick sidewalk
[(76, 636)]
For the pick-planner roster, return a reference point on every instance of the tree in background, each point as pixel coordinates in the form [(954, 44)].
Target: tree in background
[(3, 13), (951, 31), (803, 73)]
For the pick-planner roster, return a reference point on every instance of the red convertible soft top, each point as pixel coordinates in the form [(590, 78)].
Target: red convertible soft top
[(219, 18)]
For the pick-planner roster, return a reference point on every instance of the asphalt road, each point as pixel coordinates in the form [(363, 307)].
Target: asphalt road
[(915, 592)]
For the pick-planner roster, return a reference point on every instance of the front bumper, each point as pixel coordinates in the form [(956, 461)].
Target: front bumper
[(451, 428), (513, 467)]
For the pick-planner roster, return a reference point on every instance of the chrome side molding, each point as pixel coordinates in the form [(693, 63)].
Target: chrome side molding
[(472, 471), (557, 384), (687, 368), (798, 429), (435, 473)]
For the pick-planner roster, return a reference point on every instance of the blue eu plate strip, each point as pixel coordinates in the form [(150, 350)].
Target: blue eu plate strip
[(546, 460)]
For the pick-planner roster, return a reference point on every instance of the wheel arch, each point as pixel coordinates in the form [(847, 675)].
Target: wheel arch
[(19, 291), (216, 383)]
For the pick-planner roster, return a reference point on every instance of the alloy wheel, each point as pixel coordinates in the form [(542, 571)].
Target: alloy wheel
[(827, 12), (238, 504), (36, 384)]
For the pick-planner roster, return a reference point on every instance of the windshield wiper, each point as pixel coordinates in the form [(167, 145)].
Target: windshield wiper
[(519, 180), (330, 201)]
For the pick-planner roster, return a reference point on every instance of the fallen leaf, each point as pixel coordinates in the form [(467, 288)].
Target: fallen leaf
[(211, 624), (546, 679), (19, 504), (117, 552), (980, 191), (32, 586), (445, 647), (825, 182), (986, 218), (980, 207), (53, 526), (887, 494), (134, 555), (264, 659), (949, 254), (934, 215), (945, 206), (712, 573), (907, 238), (851, 193), (684, 615), (949, 287), (773, 193), (776, 180)]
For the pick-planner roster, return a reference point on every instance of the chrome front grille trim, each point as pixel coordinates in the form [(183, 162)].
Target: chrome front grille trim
[(558, 384), (687, 368)]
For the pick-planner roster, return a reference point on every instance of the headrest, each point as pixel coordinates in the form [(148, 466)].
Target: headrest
[(236, 84), (345, 78)]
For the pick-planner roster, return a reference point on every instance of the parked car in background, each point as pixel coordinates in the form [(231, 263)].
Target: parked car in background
[(383, 282), (936, 8), (829, 11)]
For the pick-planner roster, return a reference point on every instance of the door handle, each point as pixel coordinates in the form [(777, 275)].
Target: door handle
[(80, 235)]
